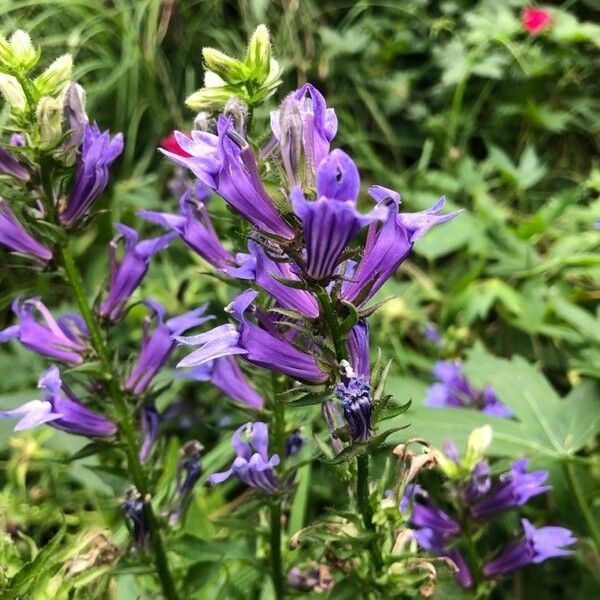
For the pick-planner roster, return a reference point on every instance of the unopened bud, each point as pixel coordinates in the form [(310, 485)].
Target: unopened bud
[(55, 77), (49, 118), (13, 92), (208, 98), (290, 125), (74, 113), (229, 69), (237, 111), (24, 54), (258, 55), (478, 442), (204, 122)]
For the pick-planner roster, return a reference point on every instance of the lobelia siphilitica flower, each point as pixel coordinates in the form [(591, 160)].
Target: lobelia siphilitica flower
[(456, 527)]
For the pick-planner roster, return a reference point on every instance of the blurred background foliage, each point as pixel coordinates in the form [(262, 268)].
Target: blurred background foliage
[(451, 97)]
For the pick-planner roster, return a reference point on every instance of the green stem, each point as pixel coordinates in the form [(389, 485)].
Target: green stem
[(126, 426), (278, 437), (364, 506), (571, 476), (339, 344)]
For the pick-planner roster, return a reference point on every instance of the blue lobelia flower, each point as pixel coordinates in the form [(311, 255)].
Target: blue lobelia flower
[(133, 507), (436, 530), (127, 274), (194, 226), (515, 488), (14, 236), (266, 349), (63, 339), (60, 409), (149, 424), (97, 153), (332, 221), (388, 244), (538, 546), (9, 165), (252, 464), (289, 297), (454, 390), (226, 163), (158, 346), (304, 118), (189, 470), (225, 374)]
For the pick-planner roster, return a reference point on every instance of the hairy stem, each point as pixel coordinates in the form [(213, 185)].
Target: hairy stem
[(364, 506), (127, 429), (278, 433), (126, 426)]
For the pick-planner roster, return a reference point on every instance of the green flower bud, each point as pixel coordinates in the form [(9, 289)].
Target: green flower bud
[(258, 55), (229, 69), (478, 442), (25, 55), (55, 77), (49, 120), (6, 52), (13, 92), (208, 98)]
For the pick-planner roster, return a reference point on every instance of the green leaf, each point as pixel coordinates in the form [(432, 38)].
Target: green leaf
[(544, 424)]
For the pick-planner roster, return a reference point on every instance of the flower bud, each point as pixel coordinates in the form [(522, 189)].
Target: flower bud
[(237, 111), (208, 98), (258, 55), (290, 125), (229, 69), (49, 118), (55, 77), (24, 54), (204, 122), (75, 119), (13, 92), (477, 444)]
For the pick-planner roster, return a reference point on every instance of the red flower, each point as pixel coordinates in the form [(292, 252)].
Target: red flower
[(170, 143), (536, 20)]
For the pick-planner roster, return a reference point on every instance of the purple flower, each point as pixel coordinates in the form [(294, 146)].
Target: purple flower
[(189, 470), (127, 274), (226, 163), (225, 374), (133, 507), (252, 464), (455, 390), (194, 226), (434, 541), (293, 443), (332, 221), (432, 333), (98, 151), (158, 346), (355, 396), (149, 423), (16, 239), (437, 530), (389, 244), (358, 348), (288, 297), (515, 488), (63, 339), (9, 165), (425, 514), (479, 481), (257, 346), (60, 409), (318, 126), (538, 546)]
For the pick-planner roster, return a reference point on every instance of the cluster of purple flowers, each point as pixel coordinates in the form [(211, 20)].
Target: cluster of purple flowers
[(453, 389), (300, 250), (482, 497)]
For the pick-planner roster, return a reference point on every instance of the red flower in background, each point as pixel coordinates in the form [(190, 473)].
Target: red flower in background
[(170, 143), (536, 19)]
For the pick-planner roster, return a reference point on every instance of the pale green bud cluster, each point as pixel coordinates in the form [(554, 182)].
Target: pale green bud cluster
[(253, 79), (477, 444), (38, 103)]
